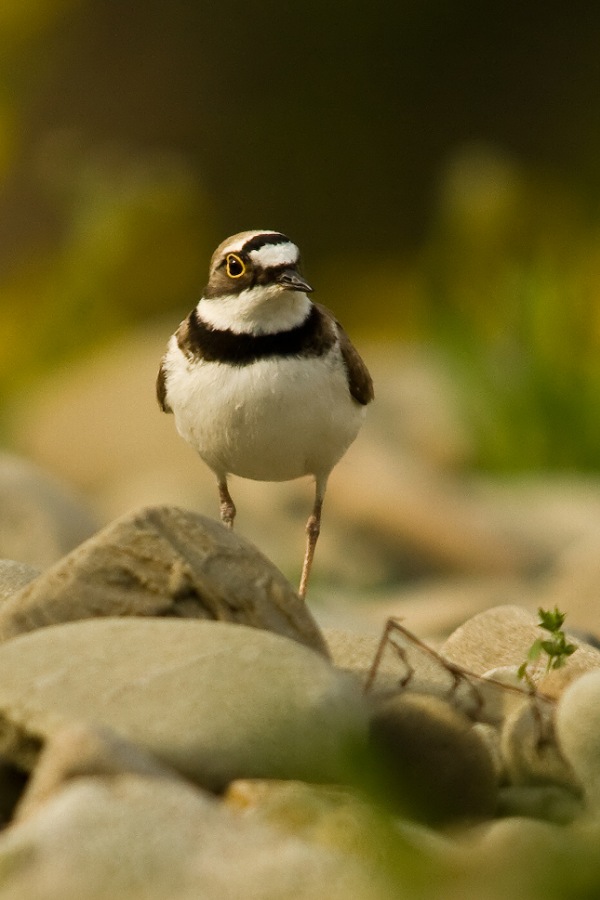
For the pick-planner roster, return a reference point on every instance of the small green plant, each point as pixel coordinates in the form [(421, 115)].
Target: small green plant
[(556, 648)]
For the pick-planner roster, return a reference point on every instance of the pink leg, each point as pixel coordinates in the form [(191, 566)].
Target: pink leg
[(227, 507), (313, 528)]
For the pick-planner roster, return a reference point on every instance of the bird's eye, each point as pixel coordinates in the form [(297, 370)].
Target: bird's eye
[(235, 266)]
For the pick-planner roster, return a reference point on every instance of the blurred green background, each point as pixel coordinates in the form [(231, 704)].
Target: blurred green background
[(437, 162)]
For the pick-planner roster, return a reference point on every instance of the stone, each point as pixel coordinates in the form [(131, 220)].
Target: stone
[(13, 782), (41, 518), (408, 665), (555, 511), (490, 736), (549, 802), (431, 607), (507, 675), (577, 724), (354, 653), (530, 748), (14, 576), (573, 584), (163, 561), (138, 838), (497, 637), (399, 662), (81, 750), (520, 857), (216, 701), (502, 637), (418, 406), (438, 769), (430, 522), (81, 423), (327, 815)]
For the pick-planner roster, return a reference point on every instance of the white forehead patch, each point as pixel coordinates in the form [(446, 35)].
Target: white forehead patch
[(275, 255)]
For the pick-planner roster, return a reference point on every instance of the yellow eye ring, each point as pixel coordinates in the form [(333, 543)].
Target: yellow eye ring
[(235, 265)]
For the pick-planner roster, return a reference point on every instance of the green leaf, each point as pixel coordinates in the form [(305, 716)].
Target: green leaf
[(555, 647), (556, 663), (535, 651), (552, 648), (551, 621)]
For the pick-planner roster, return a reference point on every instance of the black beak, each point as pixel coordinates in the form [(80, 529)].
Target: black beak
[(291, 281)]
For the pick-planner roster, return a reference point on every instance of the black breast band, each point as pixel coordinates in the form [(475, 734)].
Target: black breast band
[(313, 337)]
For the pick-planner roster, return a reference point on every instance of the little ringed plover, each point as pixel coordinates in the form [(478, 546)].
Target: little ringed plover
[(262, 382)]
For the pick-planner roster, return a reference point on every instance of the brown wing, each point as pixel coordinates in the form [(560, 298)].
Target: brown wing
[(360, 382), (161, 389)]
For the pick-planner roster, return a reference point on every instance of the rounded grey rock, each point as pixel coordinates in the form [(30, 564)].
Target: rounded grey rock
[(437, 766), (164, 561), (501, 637), (81, 750), (215, 701), (550, 802), (137, 838), (577, 724), (14, 576), (530, 748), (41, 518)]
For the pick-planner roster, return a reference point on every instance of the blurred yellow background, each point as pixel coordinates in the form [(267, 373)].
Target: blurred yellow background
[(437, 163)]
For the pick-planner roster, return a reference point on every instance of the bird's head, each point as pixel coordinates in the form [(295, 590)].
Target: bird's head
[(255, 282)]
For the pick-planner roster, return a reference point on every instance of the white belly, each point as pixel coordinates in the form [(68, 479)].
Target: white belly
[(272, 420)]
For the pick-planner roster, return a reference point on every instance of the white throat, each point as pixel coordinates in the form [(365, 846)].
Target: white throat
[(261, 310)]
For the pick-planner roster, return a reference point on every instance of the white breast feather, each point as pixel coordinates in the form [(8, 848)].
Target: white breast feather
[(272, 420)]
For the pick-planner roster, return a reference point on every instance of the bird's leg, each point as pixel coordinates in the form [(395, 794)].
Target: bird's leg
[(227, 506), (313, 528)]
